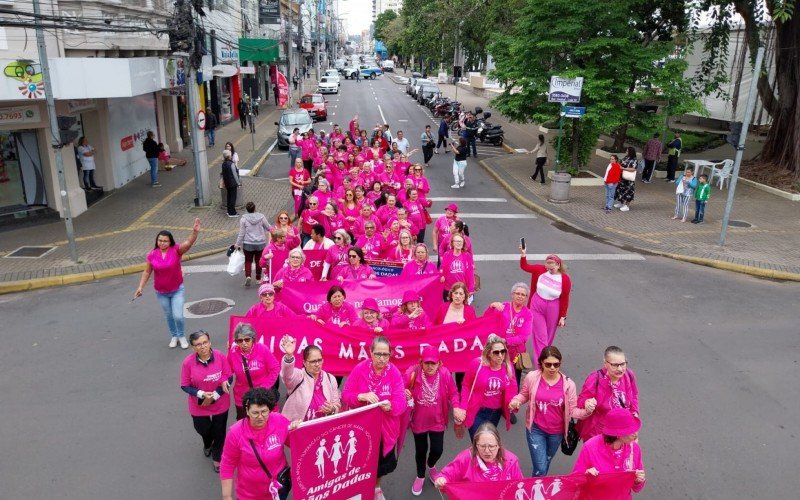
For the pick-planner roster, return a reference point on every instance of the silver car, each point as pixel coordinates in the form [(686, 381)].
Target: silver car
[(291, 119)]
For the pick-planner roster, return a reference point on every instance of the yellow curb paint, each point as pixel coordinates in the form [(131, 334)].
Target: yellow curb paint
[(15, 286), (508, 149), (107, 273), (69, 279)]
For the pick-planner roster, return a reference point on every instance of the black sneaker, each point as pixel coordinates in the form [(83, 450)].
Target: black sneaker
[(695, 221), (513, 419)]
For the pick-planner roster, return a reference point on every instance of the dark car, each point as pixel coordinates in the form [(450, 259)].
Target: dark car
[(291, 119), (427, 92), (316, 105)]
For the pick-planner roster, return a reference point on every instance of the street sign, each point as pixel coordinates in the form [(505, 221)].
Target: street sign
[(565, 89), (247, 70), (574, 111), (201, 120)]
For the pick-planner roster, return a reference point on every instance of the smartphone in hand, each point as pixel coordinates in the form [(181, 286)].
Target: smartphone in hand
[(522, 243)]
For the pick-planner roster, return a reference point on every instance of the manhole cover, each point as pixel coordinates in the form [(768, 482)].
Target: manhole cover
[(739, 223), (208, 307), (30, 252)]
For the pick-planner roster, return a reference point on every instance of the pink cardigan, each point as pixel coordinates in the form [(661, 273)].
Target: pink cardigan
[(471, 396), (466, 468), (300, 387), (598, 386), (528, 394)]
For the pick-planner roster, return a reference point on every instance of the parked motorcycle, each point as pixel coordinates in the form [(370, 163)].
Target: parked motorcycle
[(487, 132)]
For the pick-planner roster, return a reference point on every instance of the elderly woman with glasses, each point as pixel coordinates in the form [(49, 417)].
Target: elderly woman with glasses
[(420, 265), (356, 267), (488, 386), (377, 380), (295, 272), (370, 317), (254, 443), (336, 311), (485, 460), (613, 386), (313, 393), (267, 307), (337, 254), (252, 363), (206, 377), (518, 320), (371, 242)]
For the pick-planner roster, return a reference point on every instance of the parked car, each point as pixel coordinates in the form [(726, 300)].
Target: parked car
[(315, 104), (371, 72), (290, 119), (349, 72), (427, 92), (328, 85), (332, 73), (388, 66), (417, 84)]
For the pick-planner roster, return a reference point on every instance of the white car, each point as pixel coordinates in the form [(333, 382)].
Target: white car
[(328, 85), (333, 74)]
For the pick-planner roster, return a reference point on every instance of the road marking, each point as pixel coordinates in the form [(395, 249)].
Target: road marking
[(381, 112), (455, 198), (491, 216), (402, 120)]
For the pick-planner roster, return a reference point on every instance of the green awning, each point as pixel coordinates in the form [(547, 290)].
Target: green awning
[(258, 49)]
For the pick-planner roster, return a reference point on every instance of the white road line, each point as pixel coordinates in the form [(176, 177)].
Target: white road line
[(402, 120), (455, 198), (381, 112), (212, 268), (491, 216)]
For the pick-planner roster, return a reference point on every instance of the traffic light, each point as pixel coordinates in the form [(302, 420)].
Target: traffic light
[(736, 132)]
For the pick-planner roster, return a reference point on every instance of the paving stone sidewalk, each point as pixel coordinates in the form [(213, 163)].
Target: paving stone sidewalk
[(116, 233)]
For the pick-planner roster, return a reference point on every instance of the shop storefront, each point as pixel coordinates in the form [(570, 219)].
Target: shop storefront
[(21, 174), (227, 87)]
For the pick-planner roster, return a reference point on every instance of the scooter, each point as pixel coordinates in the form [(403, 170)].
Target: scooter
[(493, 134)]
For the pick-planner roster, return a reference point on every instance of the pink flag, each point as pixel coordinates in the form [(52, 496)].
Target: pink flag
[(314, 261), (344, 347), (612, 486), (283, 89), (336, 457), (307, 297)]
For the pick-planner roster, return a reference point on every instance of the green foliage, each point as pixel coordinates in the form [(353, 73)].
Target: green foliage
[(383, 19)]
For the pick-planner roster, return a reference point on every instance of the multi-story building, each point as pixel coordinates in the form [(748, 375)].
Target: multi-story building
[(381, 6)]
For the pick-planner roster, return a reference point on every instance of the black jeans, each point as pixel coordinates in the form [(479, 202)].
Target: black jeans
[(442, 142), (212, 429), (672, 166), (243, 120), (231, 201), (647, 173), (423, 457), (249, 259), (471, 143), (427, 153), (539, 168)]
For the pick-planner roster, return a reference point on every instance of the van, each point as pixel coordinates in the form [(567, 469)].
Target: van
[(388, 65)]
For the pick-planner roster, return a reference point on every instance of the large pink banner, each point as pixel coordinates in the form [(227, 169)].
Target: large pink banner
[(283, 89), (613, 486), (344, 347), (336, 457), (307, 297)]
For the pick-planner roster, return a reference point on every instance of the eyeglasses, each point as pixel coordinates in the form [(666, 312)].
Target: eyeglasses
[(268, 294), (262, 413), (381, 354), (312, 204), (295, 257), (338, 238), (283, 218), (353, 256), (204, 343), (617, 365), (487, 447), (245, 340), (552, 365), (314, 361), (499, 352), (521, 294)]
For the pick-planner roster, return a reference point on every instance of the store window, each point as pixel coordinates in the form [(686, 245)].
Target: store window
[(21, 181)]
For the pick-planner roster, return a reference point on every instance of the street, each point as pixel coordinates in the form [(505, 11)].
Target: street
[(93, 407)]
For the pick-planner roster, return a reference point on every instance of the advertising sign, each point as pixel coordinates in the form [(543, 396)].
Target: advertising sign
[(19, 115), (574, 111), (565, 89), (22, 79), (269, 12), (283, 89)]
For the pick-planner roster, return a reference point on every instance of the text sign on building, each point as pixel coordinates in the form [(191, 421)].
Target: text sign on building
[(227, 52), (565, 89), (19, 115), (269, 12)]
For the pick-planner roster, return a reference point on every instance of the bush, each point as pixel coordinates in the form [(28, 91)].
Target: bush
[(693, 142)]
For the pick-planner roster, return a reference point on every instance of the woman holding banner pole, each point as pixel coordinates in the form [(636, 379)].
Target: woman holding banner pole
[(519, 319), (252, 363), (377, 380), (313, 393), (275, 255)]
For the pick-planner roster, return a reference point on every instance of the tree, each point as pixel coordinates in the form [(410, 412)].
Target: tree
[(607, 44), (383, 20), (781, 97)]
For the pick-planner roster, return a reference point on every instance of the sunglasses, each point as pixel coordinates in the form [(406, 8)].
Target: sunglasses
[(268, 294), (499, 352), (245, 340), (353, 256), (552, 365), (338, 238)]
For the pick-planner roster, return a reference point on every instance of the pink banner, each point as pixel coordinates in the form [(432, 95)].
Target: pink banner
[(344, 347), (336, 457), (306, 298), (314, 261), (613, 486), (283, 89)]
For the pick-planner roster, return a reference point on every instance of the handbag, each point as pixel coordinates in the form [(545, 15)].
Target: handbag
[(523, 361), (428, 218), (628, 176), (569, 444), (284, 476)]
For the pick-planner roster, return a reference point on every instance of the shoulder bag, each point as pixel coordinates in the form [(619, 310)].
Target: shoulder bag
[(284, 476), (628, 175), (247, 372), (523, 361)]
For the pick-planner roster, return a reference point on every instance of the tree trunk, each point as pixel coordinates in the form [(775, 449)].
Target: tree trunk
[(620, 136)]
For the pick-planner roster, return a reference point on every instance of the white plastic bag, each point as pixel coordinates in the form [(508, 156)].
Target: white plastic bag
[(236, 262)]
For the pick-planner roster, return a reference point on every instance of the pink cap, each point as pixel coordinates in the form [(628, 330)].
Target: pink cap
[(371, 304), (430, 354), (410, 296), (452, 207), (620, 422)]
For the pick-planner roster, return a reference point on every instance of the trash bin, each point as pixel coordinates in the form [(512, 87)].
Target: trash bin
[(223, 194), (559, 187)]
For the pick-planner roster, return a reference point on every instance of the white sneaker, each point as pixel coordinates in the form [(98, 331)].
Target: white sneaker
[(617, 205), (455, 186), (184, 342), (462, 184), (624, 208), (173, 342)]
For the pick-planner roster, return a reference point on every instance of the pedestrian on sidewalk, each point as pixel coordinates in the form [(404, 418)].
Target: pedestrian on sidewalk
[(626, 188), (211, 126), (253, 237), (231, 181), (674, 152), (241, 108), (701, 195), (541, 157), (684, 191), (150, 147), (651, 155), (611, 179), (427, 145), (461, 150), (470, 133), (164, 263), (444, 135), (86, 154)]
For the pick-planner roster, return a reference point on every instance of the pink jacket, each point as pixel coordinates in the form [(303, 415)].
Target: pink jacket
[(413, 268), (466, 468), (458, 268), (596, 453), (400, 320), (391, 389), (300, 387), (471, 394), (279, 311), (262, 365), (447, 397), (279, 256), (519, 327), (528, 394), (252, 482), (598, 386), (345, 315)]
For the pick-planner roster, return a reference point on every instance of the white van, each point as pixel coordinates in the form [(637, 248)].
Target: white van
[(387, 65)]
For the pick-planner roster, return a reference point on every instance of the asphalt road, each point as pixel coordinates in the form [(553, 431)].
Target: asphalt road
[(92, 407)]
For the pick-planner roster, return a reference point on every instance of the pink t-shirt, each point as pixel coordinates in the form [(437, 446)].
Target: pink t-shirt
[(299, 176), (549, 401), (262, 365), (494, 382), (207, 377), (167, 272), (345, 315), (317, 400), (427, 409), (548, 286)]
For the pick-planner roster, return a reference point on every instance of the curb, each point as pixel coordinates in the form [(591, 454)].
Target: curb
[(254, 171), (72, 279), (714, 263)]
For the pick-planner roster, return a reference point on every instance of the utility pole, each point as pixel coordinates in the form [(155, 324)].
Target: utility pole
[(55, 134), (319, 39), (300, 45), (737, 162)]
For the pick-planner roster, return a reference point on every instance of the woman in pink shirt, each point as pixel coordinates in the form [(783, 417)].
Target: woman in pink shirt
[(370, 317), (432, 392), (616, 450), (410, 315), (388, 211), (206, 378), (295, 272), (377, 380), (337, 254), (356, 268), (457, 266), (164, 263), (313, 393), (485, 460), (267, 307), (518, 320), (252, 363), (402, 250), (371, 242), (336, 311), (284, 222), (275, 254), (551, 286), (455, 309), (299, 178), (441, 229), (420, 266), (488, 386), (349, 209), (553, 401), (416, 213), (259, 438)]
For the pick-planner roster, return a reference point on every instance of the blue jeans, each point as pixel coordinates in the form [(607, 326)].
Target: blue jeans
[(699, 210), (153, 170), (211, 136), (543, 447), (172, 304), (294, 153), (610, 190), (485, 415)]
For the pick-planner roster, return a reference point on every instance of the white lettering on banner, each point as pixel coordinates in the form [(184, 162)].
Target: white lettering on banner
[(315, 263)]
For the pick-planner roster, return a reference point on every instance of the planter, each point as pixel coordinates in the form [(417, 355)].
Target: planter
[(769, 189), (594, 180)]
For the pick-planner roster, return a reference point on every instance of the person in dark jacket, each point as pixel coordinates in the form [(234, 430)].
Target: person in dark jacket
[(242, 109), (470, 133), (211, 126), (444, 127), (230, 178), (674, 151), (151, 151)]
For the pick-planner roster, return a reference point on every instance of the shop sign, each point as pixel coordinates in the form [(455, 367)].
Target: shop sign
[(227, 52), (78, 105), (19, 115), (23, 79)]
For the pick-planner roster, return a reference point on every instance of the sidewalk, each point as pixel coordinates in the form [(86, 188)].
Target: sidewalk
[(115, 234)]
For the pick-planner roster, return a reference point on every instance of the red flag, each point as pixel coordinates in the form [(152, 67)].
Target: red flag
[(613, 486), (283, 89), (336, 457)]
